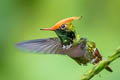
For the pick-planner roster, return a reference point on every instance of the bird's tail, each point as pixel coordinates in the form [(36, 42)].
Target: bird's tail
[(98, 55), (108, 69)]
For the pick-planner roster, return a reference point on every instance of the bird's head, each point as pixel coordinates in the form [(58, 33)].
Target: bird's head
[(64, 30)]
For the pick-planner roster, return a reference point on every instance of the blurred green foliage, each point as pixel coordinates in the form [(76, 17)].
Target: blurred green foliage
[(22, 19)]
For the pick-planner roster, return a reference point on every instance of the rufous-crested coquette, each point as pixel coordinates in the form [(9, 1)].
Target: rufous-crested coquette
[(67, 43)]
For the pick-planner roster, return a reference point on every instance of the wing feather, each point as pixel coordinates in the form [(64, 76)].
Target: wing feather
[(49, 45)]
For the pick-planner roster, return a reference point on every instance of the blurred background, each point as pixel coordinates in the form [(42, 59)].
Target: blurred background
[(22, 19)]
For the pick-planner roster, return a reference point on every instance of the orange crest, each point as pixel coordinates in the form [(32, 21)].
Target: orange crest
[(58, 24)]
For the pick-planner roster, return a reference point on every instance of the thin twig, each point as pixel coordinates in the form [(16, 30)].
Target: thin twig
[(99, 67)]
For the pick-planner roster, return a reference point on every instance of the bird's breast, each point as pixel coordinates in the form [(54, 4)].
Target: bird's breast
[(74, 52)]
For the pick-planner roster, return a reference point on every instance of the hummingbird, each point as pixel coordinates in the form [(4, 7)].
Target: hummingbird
[(67, 43)]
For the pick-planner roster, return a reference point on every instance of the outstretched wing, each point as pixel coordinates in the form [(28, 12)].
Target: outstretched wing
[(50, 45)]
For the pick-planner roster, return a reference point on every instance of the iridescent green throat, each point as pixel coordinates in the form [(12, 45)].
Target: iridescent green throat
[(66, 36)]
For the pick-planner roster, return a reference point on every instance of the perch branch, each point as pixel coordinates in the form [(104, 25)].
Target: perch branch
[(99, 67)]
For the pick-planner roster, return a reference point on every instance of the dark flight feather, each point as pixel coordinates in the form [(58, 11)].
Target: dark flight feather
[(49, 45)]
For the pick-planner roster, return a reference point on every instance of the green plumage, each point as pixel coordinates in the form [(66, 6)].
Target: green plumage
[(66, 35)]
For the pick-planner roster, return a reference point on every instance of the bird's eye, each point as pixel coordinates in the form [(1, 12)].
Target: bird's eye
[(62, 26)]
